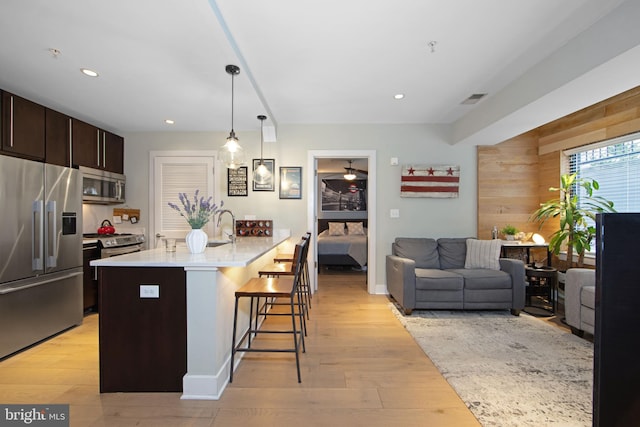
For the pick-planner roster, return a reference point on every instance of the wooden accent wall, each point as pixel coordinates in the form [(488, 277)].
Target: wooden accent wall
[(507, 183), (514, 176)]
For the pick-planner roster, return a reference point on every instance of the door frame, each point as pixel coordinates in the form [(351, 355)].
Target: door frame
[(312, 208)]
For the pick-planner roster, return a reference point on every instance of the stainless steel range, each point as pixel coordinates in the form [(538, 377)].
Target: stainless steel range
[(114, 244)]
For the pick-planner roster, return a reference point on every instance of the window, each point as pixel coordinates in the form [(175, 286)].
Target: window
[(615, 164)]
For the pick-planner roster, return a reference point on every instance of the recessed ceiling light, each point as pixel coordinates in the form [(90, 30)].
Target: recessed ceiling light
[(399, 96), (89, 72), (169, 121)]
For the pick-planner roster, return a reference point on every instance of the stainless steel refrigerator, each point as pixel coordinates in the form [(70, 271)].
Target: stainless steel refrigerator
[(40, 251)]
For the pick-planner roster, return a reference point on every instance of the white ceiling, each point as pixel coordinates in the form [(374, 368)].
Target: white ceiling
[(304, 62)]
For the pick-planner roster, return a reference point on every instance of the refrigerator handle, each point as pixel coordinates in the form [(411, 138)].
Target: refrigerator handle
[(52, 243), (37, 234)]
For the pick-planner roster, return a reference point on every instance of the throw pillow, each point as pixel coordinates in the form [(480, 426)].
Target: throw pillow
[(336, 229), (483, 254), (355, 228)]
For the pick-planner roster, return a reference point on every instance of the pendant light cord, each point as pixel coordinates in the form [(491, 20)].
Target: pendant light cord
[(232, 96), (261, 140)]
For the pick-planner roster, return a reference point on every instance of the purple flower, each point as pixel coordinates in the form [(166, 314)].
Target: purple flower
[(197, 213)]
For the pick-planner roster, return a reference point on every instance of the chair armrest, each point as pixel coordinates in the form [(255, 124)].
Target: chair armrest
[(401, 281), (515, 268), (575, 280)]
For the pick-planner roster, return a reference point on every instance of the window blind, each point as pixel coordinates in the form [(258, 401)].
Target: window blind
[(615, 165), (183, 178)]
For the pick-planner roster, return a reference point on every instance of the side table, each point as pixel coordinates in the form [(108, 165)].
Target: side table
[(543, 281)]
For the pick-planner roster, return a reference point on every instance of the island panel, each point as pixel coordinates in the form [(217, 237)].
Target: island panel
[(143, 341)]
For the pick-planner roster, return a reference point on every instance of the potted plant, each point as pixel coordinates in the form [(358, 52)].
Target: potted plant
[(509, 231), (577, 220)]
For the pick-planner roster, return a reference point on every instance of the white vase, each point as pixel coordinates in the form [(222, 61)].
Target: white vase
[(196, 241)]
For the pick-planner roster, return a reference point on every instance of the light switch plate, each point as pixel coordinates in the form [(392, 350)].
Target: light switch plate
[(394, 161), (149, 291), (394, 213)]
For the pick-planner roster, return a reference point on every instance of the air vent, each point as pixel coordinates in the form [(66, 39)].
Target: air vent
[(473, 99)]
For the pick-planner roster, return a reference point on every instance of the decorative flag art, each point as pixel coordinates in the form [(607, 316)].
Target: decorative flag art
[(440, 181)]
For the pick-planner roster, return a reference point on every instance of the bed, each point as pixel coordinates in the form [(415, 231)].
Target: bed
[(347, 249)]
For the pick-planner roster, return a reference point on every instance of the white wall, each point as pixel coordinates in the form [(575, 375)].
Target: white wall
[(415, 144)]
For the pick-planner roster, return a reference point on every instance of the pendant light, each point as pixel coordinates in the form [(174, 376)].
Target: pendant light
[(232, 153), (261, 175), (350, 176)]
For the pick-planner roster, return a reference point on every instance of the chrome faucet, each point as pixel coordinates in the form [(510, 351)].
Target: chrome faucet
[(232, 236)]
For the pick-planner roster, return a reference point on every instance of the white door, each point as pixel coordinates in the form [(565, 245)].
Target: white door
[(173, 173)]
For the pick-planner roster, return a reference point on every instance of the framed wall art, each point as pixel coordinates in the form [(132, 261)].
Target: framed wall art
[(344, 195), (290, 182), (267, 185), (437, 181), (237, 182)]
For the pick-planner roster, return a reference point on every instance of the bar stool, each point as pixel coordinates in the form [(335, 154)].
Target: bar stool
[(287, 269), (288, 257), (270, 287)]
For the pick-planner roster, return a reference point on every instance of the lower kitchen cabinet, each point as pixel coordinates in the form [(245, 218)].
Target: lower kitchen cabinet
[(143, 339), (89, 279)]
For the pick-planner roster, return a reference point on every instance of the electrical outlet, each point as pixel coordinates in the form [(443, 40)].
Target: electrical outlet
[(149, 291), (394, 213)]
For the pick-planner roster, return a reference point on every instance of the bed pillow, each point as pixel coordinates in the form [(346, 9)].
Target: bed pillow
[(355, 228), (336, 229), (483, 254)]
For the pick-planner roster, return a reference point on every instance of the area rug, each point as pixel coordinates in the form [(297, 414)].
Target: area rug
[(510, 371)]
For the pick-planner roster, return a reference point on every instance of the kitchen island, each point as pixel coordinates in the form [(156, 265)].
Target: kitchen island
[(166, 317)]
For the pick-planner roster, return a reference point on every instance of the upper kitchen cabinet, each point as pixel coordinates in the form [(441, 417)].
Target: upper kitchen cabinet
[(113, 152), (58, 138), (85, 140), (23, 127), (96, 148)]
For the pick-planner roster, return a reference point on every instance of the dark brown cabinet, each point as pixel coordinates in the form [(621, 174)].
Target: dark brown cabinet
[(97, 148), (32, 131), (57, 138), (23, 127), (143, 341), (113, 152), (89, 279), (85, 139)]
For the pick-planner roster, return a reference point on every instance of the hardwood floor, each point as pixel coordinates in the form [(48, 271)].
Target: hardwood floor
[(361, 368)]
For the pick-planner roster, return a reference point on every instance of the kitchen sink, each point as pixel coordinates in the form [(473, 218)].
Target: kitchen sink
[(215, 244)]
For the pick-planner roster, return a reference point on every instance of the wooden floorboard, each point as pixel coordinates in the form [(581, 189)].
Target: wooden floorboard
[(361, 368)]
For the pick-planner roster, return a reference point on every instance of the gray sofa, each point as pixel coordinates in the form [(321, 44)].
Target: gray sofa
[(424, 273), (580, 300)]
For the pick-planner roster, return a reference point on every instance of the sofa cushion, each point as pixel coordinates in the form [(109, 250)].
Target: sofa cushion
[(452, 251), (435, 279), (588, 296), (483, 254), (483, 278), (423, 251)]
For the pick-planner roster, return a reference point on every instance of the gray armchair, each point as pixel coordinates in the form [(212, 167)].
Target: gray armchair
[(580, 300)]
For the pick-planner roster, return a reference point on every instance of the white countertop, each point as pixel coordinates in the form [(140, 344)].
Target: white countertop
[(240, 254)]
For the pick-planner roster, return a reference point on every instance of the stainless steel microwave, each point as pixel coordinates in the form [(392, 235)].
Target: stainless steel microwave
[(102, 187)]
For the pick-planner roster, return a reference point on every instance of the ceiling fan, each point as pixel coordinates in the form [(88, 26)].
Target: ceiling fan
[(350, 173)]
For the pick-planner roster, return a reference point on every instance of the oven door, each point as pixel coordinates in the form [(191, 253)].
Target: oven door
[(122, 250)]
